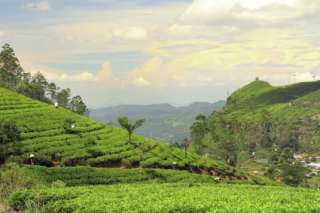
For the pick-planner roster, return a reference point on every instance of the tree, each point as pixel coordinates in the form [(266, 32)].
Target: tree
[(186, 143), (130, 127), (39, 86), (63, 97), (9, 133), (77, 105), (198, 131), (286, 168), (52, 91), (11, 71), (229, 150)]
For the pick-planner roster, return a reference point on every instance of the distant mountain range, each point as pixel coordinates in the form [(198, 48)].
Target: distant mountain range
[(163, 121)]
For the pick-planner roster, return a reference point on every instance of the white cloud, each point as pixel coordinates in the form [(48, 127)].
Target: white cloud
[(140, 81), (85, 76), (40, 5), (131, 33), (233, 12), (305, 76)]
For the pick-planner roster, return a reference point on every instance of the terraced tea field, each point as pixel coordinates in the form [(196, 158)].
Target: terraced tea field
[(171, 198), (93, 144)]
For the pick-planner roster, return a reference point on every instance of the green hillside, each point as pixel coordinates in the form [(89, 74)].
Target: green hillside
[(291, 110), (92, 143)]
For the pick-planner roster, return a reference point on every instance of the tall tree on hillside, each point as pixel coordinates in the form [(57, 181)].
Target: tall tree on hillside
[(229, 150), (52, 91), (77, 105), (63, 97), (198, 131), (130, 127), (11, 71), (39, 84)]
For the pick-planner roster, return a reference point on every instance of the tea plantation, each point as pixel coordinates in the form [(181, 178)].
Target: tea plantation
[(170, 198), (141, 176), (91, 143)]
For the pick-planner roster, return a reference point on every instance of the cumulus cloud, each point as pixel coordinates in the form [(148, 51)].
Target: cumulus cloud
[(105, 73), (244, 12), (40, 5)]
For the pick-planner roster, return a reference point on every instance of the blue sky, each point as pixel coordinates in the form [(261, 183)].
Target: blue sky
[(154, 51)]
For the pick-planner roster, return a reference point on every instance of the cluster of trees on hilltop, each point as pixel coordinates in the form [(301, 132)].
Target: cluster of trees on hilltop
[(36, 86)]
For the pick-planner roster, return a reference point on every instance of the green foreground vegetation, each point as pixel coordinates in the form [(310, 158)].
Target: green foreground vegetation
[(170, 198)]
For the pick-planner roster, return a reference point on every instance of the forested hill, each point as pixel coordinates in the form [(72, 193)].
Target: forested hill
[(163, 121), (263, 115)]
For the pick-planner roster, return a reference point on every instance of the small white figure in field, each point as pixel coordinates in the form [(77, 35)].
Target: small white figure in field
[(32, 156), (217, 179), (73, 126), (174, 163), (56, 105)]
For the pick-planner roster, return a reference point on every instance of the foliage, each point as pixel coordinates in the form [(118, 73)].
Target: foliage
[(77, 105), (171, 198), (12, 76), (198, 130), (285, 167), (43, 133), (130, 127), (9, 132), (63, 97), (78, 176), (13, 178), (229, 150)]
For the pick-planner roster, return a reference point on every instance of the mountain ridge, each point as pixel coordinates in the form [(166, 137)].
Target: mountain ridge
[(163, 121)]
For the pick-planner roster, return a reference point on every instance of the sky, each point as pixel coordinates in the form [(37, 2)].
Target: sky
[(115, 52)]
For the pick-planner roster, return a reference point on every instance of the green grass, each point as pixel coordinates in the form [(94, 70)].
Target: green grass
[(170, 198), (95, 145)]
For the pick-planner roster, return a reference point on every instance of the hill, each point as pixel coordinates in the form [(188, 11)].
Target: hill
[(163, 121), (90, 142), (260, 115)]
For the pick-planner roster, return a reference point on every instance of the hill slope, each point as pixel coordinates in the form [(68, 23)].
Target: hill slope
[(163, 121), (284, 115), (94, 143)]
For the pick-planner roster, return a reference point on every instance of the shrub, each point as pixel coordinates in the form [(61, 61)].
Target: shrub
[(58, 184), (13, 178), (9, 132)]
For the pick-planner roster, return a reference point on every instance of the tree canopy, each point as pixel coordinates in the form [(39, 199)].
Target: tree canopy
[(130, 127), (36, 86)]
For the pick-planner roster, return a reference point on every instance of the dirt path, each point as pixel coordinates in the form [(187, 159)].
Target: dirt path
[(3, 209)]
